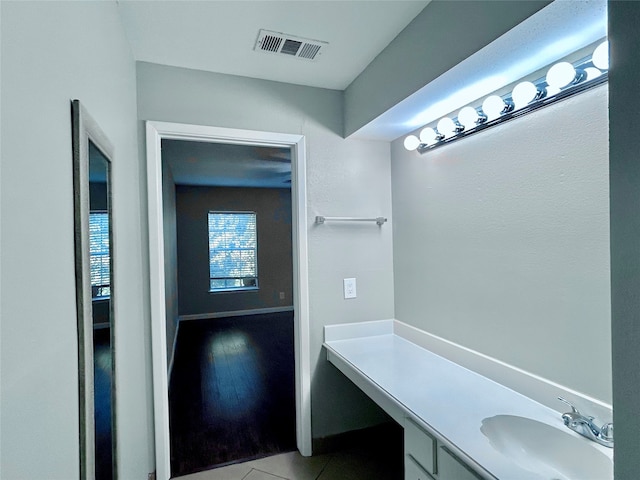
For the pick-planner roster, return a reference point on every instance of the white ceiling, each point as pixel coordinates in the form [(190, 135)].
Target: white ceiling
[(219, 36), (225, 165)]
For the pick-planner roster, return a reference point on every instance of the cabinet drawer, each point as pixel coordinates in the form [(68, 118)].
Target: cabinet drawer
[(413, 471), (451, 468), (420, 445)]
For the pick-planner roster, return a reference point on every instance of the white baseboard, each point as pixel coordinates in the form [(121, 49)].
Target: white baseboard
[(236, 313), (347, 331)]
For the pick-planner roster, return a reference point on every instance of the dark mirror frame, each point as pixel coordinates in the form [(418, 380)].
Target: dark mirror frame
[(85, 131)]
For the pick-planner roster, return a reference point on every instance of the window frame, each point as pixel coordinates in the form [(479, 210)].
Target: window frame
[(254, 278)]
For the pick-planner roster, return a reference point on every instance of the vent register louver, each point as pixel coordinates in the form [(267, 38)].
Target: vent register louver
[(284, 44)]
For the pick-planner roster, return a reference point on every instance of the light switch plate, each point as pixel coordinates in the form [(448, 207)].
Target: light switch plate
[(349, 288)]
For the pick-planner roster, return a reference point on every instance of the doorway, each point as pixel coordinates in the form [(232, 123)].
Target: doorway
[(156, 132)]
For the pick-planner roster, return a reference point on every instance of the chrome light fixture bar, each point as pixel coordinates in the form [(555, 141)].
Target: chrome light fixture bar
[(562, 80)]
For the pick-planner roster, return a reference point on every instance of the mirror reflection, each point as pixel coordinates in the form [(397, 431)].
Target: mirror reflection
[(100, 272)]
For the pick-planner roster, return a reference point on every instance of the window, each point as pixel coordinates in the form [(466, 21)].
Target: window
[(233, 251), (99, 254)]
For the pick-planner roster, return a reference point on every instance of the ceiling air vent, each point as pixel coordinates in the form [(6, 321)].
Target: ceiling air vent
[(290, 45)]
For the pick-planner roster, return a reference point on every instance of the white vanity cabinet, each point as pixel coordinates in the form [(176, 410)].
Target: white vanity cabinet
[(414, 471), (442, 406), (419, 451), (451, 467), (428, 459)]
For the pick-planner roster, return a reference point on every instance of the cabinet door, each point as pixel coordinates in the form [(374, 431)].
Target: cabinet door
[(452, 468), (420, 445), (413, 471)]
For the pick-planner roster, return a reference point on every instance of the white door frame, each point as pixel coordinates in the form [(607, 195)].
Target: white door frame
[(155, 132)]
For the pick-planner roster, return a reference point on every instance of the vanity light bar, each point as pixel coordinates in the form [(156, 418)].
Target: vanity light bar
[(562, 80)]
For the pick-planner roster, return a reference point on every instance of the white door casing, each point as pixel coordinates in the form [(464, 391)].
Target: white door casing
[(155, 133)]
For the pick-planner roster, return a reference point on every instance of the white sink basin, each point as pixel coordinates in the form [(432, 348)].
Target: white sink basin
[(546, 450)]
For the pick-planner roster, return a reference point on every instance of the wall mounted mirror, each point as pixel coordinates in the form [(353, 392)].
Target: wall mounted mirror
[(92, 155)]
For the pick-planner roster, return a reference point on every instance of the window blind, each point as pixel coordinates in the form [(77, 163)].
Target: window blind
[(99, 254), (233, 245)]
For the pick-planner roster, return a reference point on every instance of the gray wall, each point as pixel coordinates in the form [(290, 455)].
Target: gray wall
[(53, 52), (624, 104), (344, 178), (501, 242), (273, 217), (170, 258)]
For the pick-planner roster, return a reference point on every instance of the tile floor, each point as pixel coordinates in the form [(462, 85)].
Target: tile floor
[(350, 464)]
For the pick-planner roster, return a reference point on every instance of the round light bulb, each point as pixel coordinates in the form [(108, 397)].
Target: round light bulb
[(592, 73), (551, 91), (411, 142), (493, 106), (523, 94), (429, 136), (468, 117), (447, 127), (600, 57), (561, 75)]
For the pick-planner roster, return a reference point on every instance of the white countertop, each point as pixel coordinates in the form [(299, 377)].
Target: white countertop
[(450, 399)]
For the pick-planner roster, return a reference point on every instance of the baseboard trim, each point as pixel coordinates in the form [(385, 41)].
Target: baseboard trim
[(236, 313)]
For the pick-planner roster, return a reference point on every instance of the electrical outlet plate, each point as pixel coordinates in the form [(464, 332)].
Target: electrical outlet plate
[(349, 288)]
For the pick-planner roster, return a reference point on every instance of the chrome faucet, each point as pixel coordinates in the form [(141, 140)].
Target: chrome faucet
[(584, 426)]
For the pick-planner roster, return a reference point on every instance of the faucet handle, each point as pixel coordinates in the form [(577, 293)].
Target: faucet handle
[(573, 408), (606, 432)]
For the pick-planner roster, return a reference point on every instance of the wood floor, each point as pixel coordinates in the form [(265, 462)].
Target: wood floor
[(232, 394), (102, 402)]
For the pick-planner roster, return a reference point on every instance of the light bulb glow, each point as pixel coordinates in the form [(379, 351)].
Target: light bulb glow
[(561, 75), (551, 91), (523, 94), (447, 127), (592, 73), (429, 136), (493, 106), (468, 117), (600, 57), (562, 80), (411, 142)]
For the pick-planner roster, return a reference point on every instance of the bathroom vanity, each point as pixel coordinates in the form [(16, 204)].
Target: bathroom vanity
[(459, 425)]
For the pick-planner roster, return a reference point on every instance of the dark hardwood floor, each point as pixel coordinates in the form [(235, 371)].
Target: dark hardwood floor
[(102, 402), (231, 394)]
